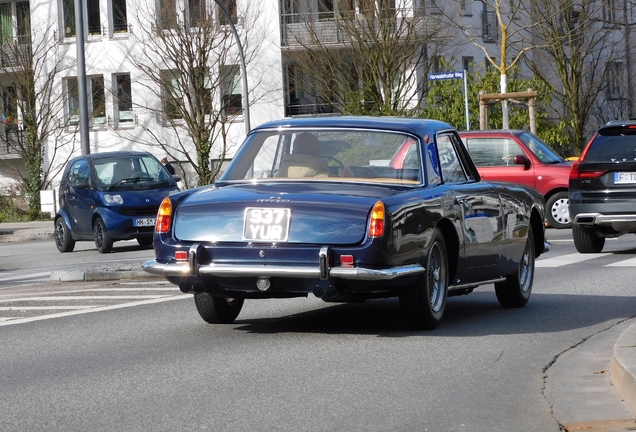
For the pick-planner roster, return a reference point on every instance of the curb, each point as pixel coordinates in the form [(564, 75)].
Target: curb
[(622, 370), (99, 275), (25, 235)]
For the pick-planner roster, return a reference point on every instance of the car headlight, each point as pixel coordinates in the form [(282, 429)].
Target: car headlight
[(113, 199)]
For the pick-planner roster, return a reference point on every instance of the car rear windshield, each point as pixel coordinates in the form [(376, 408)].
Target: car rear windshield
[(611, 145), (356, 155)]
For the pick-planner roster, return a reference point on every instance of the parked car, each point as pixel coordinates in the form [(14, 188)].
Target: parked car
[(522, 157), (111, 196), (603, 187), (312, 205)]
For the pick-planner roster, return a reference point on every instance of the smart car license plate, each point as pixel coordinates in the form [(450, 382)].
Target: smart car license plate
[(625, 178), (266, 224), (144, 222)]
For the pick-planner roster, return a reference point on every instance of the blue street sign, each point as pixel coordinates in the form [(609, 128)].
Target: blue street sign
[(445, 75)]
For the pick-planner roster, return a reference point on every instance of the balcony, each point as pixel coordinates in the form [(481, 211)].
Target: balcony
[(326, 28), (14, 55)]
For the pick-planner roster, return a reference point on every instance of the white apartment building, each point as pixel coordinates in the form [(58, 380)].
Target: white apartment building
[(128, 111)]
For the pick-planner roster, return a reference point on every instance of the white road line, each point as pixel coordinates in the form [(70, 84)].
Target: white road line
[(28, 308), (97, 309), (57, 298), (567, 259), (25, 276), (171, 288), (631, 262)]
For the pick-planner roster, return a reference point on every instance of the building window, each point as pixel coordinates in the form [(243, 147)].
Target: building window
[(120, 18), (468, 64), (614, 80), (609, 11), (9, 108), (94, 21), (15, 16), (197, 13), (172, 94), (489, 63), (96, 100), (167, 14), (436, 64), (466, 6), (124, 109), (69, 17), (231, 94), (230, 7), (489, 26)]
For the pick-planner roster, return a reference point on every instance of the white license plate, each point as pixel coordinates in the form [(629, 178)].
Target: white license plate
[(625, 178), (145, 222), (266, 224)]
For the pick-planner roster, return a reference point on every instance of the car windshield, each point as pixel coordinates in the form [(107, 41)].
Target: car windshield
[(612, 145), (541, 150), (354, 155), (129, 170)]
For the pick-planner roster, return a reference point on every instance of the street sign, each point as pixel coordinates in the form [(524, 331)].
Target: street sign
[(446, 75), (454, 75)]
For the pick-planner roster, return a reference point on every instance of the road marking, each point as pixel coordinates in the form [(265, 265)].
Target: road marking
[(6, 322), (567, 259), (25, 276), (625, 263), (57, 298), (28, 308)]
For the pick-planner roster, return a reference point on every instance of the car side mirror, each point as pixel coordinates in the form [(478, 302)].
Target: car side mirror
[(82, 184), (176, 177), (522, 160)]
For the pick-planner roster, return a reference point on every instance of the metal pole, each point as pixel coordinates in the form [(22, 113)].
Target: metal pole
[(628, 63), (466, 100), (81, 77), (246, 102)]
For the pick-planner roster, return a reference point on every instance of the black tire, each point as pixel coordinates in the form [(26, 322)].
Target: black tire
[(103, 240), (217, 310), (424, 302), (586, 240), (556, 211), (515, 291), (63, 239), (144, 241)]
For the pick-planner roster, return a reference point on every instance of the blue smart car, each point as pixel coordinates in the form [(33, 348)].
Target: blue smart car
[(111, 196)]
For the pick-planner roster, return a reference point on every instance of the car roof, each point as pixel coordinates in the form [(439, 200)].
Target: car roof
[(100, 155), (415, 126)]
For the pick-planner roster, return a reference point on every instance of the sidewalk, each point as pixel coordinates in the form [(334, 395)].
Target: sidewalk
[(591, 387)]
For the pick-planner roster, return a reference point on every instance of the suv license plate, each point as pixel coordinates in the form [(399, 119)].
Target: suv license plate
[(625, 178), (144, 222), (266, 224)]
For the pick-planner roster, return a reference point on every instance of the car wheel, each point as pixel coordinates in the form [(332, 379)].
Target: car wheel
[(423, 303), (217, 310), (557, 212), (144, 241), (586, 241), (515, 291), (63, 239), (103, 241)]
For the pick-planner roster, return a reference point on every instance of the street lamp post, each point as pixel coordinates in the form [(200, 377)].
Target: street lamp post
[(246, 102), (81, 77)]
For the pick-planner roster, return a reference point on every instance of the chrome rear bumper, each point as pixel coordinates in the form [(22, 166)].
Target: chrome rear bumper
[(182, 269)]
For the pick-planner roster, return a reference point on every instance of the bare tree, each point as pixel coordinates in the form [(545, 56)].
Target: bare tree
[(364, 56), (576, 49), (502, 23), (32, 110), (190, 61)]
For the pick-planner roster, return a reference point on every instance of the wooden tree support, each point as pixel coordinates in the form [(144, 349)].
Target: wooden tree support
[(486, 99)]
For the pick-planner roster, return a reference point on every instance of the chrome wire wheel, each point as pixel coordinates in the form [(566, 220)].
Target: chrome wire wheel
[(526, 270), (436, 278)]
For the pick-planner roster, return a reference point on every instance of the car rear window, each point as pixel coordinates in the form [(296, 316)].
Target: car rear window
[(612, 144)]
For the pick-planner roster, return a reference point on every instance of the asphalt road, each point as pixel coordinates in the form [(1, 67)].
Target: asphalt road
[(151, 364)]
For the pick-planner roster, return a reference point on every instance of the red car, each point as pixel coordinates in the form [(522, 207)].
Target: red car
[(521, 157)]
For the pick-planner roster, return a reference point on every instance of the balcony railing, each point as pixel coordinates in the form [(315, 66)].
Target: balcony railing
[(14, 55), (308, 109), (335, 27)]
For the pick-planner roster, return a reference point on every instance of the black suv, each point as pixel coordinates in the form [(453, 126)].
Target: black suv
[(603, 187)]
